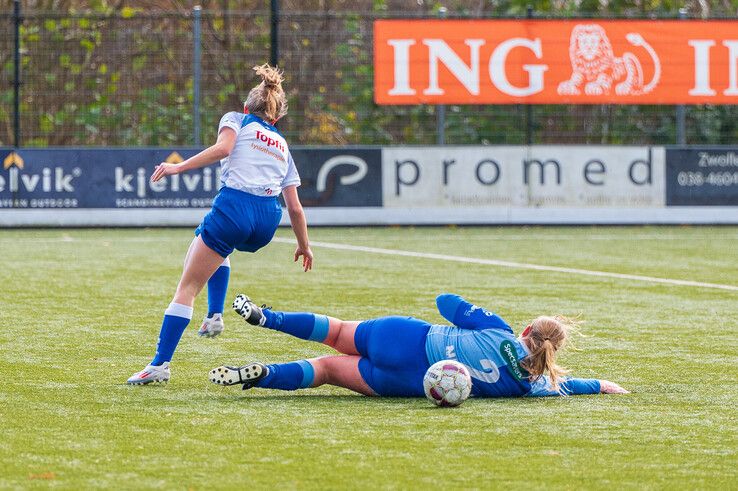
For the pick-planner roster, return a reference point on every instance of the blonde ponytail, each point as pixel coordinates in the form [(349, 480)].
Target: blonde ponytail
[(268, 100), (547, 336), (270, 76)]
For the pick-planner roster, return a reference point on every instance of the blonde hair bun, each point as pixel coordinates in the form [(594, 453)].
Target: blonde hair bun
[(271, 77), (268, 100)]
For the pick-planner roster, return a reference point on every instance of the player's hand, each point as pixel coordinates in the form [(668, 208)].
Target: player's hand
[(607, 387), (307, 257), (165, 169)]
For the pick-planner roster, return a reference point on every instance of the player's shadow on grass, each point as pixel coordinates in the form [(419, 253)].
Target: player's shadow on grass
[(414, 403), (319, 397), (246, 398), (411, 403)]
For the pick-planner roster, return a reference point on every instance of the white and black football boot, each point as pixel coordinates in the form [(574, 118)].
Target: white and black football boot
[(249, 311), (246, 375)]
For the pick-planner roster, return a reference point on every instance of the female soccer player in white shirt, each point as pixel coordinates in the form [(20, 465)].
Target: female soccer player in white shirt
[(256, 167)]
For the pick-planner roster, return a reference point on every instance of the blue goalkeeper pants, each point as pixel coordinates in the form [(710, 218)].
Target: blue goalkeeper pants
[(393, 354)]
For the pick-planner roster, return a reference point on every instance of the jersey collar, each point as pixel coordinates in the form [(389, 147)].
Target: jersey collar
[(252, 118), (522, 344)]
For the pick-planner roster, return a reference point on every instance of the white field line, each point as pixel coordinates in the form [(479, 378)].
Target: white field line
[(510, 264), (425, 255)]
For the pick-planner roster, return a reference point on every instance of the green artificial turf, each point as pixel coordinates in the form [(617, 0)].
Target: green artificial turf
[(80, 312)]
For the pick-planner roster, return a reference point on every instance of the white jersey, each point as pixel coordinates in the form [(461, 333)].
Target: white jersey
[(260, 162)]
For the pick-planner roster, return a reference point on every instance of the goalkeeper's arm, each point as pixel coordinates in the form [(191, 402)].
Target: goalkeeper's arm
[(467, 315)]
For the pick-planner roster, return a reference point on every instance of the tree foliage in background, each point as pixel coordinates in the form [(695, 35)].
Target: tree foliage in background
[(119, 72)]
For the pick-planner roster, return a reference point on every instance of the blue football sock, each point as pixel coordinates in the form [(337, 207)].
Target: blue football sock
[(217, 289), (176, 318), (288, 376), (303, 325)]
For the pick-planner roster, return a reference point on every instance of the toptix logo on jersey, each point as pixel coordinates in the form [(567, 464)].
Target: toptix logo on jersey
[(270, 142)]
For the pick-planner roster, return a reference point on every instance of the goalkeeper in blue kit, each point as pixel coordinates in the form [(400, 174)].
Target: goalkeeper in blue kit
[(389, 356)]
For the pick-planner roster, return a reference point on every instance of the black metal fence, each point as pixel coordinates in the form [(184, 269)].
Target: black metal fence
[(132, 79)]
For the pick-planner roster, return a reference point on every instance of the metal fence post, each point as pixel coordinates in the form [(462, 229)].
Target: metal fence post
[(529, 106), (274, 56), (681, 113), (16, 74), (196, 72), (441, 108)]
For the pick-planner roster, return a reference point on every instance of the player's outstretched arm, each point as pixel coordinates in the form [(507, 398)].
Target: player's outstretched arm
[(575, 386), (607, 387), (221, 149), (466, 315), (299, 226)]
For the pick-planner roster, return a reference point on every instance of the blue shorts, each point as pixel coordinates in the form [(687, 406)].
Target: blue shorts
[(393, 359), (240, 220)]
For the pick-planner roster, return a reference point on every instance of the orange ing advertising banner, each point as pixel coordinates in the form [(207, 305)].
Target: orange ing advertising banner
[(555, 62)]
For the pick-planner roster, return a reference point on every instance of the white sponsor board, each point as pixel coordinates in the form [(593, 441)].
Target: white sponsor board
[(509, 177)]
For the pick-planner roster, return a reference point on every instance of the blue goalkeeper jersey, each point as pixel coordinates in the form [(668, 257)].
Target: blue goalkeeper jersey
[(484, 342)]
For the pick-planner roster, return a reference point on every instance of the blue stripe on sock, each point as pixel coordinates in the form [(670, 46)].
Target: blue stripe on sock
[(320, 329), (308, 374)]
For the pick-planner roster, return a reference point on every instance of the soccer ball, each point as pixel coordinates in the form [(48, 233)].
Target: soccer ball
[(447, 383)]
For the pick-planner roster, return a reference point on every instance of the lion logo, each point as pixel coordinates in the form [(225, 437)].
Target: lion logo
[(595, 67)]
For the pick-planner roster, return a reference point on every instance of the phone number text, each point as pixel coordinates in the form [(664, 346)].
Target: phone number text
[(689, 179)]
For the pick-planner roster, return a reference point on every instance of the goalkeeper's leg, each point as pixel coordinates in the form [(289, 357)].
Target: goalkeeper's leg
[(341, 371), (333, 332)]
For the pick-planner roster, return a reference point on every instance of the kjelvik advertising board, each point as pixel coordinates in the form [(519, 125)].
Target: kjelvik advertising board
[(392, 185), (555, 61), (113, 187), (96, 178), (120, 178)]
